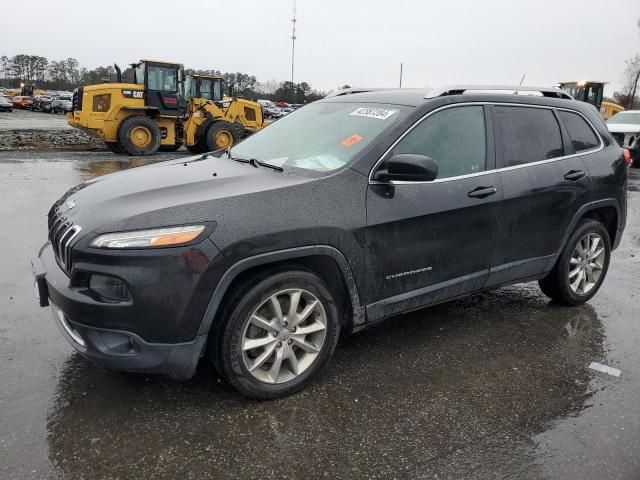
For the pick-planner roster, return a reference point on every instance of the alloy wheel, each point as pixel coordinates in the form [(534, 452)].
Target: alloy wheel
[(587, 263), (284, 336)]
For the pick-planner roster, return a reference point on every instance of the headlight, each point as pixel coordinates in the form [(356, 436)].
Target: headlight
[(158, 237), (102, 103)]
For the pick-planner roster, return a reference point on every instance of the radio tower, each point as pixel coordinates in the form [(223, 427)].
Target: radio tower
[(293, 40)]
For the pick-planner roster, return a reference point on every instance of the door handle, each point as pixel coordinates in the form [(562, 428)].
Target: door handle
[(574, 175), (482, 192)]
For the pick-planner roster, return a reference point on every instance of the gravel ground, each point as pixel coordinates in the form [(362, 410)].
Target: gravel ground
[(22, 129), (496, 385)]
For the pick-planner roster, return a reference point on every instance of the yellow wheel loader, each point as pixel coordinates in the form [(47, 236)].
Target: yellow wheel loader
[(213, 121), (591, 91), (153, 114)]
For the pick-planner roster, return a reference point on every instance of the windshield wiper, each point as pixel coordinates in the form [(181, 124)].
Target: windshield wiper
[(252, 161), (255, 163)]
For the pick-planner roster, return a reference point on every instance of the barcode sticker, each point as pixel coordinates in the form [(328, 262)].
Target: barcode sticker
[(379, 113)]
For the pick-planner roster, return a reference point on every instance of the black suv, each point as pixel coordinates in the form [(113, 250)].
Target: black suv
[(345, 212)]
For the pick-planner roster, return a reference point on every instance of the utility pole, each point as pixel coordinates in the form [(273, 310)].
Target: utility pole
[(293, 41), (401, 65)]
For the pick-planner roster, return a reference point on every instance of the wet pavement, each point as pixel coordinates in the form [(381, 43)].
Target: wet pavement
[(493, 386)]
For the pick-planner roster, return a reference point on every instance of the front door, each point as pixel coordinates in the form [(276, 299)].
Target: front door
[(428, 241)]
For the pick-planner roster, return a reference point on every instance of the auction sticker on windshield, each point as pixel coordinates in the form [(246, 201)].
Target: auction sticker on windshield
[(379, 113), (353, 139)]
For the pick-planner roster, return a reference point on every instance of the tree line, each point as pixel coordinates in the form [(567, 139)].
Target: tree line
[(67, 74)]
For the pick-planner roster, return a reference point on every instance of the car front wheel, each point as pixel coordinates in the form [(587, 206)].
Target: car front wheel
[(279, 334), (582, 265)]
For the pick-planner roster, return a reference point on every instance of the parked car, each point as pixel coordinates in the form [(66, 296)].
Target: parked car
[(272, 112), (40, 103), (6, 105), (625, 128), (286, 111), (61, 104), (343, 213), (21, 102)]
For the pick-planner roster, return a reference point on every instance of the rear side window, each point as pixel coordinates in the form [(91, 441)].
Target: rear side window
[(581, 134), (455, 138), (527, 135)]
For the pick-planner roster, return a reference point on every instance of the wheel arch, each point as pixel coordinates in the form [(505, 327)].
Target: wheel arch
[(606, 211), (327, 262)]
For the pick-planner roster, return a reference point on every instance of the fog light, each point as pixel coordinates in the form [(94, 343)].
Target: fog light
[(111, 288)]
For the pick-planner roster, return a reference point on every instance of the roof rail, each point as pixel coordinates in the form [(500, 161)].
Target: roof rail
[(552, 92), (350, 90)]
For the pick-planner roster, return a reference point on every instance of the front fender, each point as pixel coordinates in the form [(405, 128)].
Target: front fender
[(358, 313)]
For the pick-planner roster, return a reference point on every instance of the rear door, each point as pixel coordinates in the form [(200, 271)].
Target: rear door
[(544, 184), (427, 241)]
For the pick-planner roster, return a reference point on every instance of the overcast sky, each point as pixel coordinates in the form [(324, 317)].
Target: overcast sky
[(359, 42)]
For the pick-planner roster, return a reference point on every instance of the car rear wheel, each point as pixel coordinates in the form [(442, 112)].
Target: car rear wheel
[(278, 334), (581, 267)]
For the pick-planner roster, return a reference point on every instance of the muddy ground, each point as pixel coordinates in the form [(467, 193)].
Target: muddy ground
[(493, 386)]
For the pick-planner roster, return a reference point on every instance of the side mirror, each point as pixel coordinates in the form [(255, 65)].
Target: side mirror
[(408, 167)]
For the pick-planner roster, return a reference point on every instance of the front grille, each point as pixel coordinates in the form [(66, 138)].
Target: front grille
[(61, 234), (619, 138), (76, 100)]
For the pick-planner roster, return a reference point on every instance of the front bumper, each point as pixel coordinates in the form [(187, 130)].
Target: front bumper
[(126, 351), (76, 316)]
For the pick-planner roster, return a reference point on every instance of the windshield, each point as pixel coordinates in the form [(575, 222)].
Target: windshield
[(162, 78), (626, 117), (321, 136)]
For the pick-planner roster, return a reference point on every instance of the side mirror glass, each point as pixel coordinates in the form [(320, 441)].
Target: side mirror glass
[(408, 167)]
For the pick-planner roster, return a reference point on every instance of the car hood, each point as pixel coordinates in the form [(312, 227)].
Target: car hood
[(169, 193), (623, 127)]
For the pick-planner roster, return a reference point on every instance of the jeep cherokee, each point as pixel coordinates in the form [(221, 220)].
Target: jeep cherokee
[(345, 212)]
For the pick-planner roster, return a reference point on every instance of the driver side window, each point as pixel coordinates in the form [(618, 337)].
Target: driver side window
[(455, 138)]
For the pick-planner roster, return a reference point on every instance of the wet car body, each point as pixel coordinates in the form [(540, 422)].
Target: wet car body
[(61, 104), (21, 102), (6, 105), (373, 238), (625, 128), (41, 104)]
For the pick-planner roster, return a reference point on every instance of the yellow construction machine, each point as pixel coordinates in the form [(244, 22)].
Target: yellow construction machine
[(591, 91), (213, 121), (155, 113)]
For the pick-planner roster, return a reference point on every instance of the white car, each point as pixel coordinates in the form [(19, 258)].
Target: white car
[(625, 128)]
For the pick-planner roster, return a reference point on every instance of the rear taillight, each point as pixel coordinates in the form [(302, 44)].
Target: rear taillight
[(627, 156)]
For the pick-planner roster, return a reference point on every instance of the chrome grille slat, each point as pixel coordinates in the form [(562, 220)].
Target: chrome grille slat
[(61, 235)]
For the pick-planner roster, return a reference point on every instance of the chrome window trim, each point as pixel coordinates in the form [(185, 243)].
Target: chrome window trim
[(485, 172)]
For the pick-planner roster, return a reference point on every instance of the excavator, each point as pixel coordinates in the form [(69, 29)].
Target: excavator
[(163, 110), (591, 91)]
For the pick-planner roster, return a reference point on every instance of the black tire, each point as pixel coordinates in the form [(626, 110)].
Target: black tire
[(217, 130), (227, 356), (147, 128), (240, 132), (556, 285), (115, 148)]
